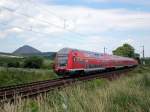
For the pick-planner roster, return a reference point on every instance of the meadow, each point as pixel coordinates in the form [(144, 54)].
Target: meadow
[(13, 76), (129, 93), (18, 75)]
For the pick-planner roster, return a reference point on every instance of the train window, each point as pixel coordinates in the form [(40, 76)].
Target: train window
[(92, 66), (81, 61), (62, 60)]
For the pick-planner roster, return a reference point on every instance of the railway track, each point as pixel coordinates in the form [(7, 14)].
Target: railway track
[(30, 89)]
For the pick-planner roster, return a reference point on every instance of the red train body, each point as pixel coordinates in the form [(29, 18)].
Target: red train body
[(72, 61)]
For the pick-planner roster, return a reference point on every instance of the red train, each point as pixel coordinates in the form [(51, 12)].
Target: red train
[(74, 61)]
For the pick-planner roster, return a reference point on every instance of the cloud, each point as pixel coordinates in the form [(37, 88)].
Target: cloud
[(80, 19), (139, 2), (42, 23), (92, 20), (15, 30), (6, 32), (2, 35)]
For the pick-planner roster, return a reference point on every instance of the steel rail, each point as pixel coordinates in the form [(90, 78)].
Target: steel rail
[(27, 84), (25, 90)]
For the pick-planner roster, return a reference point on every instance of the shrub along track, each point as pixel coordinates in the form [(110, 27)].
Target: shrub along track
[(35, 88)]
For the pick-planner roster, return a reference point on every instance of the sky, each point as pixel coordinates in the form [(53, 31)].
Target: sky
[(50, 25)]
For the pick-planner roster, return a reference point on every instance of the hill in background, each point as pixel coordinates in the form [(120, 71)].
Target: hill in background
[(26, 50)]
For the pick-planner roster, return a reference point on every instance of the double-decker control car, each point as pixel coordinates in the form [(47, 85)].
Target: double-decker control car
[(73, 61)]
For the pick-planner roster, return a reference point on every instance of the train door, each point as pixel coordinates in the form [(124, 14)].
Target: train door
[(86, 64), (76, 64)]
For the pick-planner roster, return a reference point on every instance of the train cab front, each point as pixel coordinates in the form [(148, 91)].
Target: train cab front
[(61, 71), (61, 63)]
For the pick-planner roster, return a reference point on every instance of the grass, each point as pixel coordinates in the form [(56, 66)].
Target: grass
[(127, 94), (13, 76)]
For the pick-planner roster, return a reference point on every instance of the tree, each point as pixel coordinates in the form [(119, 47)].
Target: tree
[(126, 50), (33, 62), (13, 64)]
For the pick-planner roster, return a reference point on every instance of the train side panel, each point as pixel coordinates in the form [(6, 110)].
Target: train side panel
[(77, 61)]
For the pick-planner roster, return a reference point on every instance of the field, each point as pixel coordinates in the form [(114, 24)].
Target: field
[(17, 75), (13, 76), (128, 94)]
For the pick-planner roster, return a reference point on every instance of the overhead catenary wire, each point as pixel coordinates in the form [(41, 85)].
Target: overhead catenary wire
[(49, 11), (21, 3), (37, 32), (44, 34), (41, 20)]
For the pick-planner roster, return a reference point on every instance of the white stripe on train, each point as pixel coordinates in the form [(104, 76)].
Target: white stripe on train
[(95, 69)]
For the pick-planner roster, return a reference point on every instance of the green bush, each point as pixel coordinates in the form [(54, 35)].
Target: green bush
[(146, 60), (13, 64), (48, 64), (33, 62)]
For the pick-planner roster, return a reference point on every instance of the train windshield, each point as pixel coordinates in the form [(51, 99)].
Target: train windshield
[(62, 60)]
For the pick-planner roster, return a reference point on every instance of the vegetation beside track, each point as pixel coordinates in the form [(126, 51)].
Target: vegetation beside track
[(128, 94), (13, 76), (12, 70), (26, 62)]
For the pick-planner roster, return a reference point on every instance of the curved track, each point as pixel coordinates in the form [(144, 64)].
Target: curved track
[(30, 89)]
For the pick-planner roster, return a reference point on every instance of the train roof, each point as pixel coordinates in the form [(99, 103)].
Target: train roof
[(67, 50), (64, 51), (91, 54)]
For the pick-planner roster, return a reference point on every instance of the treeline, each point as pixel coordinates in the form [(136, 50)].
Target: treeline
[(26, 62), (127, 50), (11, 62)]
